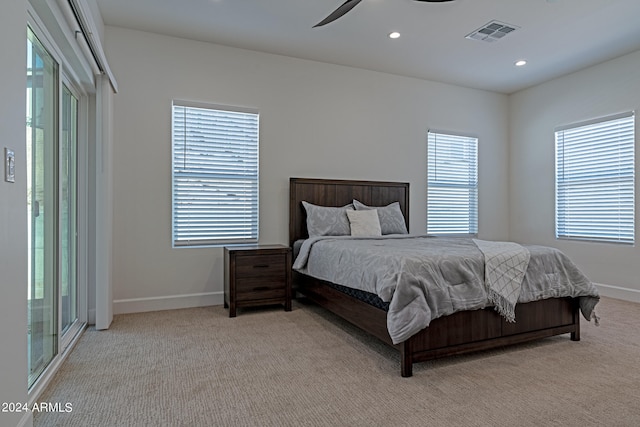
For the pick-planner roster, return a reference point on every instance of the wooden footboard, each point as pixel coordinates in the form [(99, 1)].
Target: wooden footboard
[(462, 332), (469, 331)]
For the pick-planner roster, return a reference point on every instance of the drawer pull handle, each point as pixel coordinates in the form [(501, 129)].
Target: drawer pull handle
[(261, 288), (261, 266)]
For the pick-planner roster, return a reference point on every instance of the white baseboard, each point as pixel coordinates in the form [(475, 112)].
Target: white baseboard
[(170, 302), (618, 292)]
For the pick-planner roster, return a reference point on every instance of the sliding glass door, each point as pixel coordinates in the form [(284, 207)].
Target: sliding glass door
[(42, 142), (52, 199)]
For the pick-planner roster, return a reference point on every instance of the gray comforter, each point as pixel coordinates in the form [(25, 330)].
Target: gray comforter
[(424, 278)]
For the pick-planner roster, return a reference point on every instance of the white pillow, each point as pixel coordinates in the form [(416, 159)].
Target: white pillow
[(364, 223)]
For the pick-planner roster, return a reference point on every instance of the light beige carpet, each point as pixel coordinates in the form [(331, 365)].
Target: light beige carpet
[(267, 367)]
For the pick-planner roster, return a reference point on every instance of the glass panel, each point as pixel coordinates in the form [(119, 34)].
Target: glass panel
[(42, 101), (68, 182), (452, 181), (215, 176), (595, 180)]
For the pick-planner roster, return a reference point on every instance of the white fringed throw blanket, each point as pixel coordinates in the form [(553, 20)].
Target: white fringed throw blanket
[(505, 266)]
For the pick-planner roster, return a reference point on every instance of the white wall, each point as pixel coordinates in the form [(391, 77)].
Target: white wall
[(608, 88), (317, 120), (13, 212)]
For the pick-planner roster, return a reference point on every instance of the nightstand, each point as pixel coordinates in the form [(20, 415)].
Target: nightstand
[(257, 275)]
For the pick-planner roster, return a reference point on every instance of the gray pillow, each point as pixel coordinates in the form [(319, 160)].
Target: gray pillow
[(391, 218), (327, 221)]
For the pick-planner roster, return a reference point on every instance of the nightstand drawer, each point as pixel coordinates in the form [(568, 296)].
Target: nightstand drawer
[(254, 284), (261, 265), (260, 290)]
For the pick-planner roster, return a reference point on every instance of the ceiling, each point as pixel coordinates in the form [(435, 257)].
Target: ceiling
[(556, 37)]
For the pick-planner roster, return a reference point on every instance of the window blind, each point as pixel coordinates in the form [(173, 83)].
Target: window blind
[(595, 175), (452, 184), (215, 176)]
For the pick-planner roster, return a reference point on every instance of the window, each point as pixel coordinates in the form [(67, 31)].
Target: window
[(215, 175), (595, 180), (452, 184)]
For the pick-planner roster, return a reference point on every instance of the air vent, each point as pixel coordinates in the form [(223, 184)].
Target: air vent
[(491, 32)]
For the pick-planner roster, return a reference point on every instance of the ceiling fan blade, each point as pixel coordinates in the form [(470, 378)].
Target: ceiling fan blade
[(346, 7)]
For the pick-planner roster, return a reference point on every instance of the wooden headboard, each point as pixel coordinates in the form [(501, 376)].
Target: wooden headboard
[(332, 192)]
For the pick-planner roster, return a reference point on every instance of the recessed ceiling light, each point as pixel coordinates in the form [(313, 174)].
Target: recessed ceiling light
[(394, 35), (520, 63)]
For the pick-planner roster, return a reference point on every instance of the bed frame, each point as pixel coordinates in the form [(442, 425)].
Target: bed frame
[(461, 332)]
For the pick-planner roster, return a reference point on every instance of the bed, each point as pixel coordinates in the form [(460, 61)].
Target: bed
[(456, 333)]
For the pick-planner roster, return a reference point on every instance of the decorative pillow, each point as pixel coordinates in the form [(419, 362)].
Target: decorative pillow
[(364, 223), (327, 221), (391, 218)]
